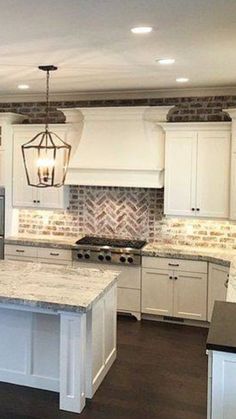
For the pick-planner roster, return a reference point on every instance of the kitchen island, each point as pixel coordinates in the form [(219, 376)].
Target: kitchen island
[(57, 328)]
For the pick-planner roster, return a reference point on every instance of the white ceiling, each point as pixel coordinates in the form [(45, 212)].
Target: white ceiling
[(91, 42)]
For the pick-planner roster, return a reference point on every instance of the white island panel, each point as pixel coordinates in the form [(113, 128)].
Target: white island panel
[(59, 332)]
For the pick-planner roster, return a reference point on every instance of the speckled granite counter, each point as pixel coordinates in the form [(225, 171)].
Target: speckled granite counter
[(55, 242), (53, 287), (219, 256)]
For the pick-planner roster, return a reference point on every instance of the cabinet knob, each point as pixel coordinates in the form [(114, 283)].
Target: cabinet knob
[(175, 278), (34, 201), (170, 277), (198, 209), (193, 209)]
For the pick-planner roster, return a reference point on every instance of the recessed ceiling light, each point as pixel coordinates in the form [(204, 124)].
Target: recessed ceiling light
[(142, 29), (23, 86), (166, 61), (182, 79)]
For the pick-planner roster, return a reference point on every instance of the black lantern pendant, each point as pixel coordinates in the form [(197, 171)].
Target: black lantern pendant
[(46, 156)]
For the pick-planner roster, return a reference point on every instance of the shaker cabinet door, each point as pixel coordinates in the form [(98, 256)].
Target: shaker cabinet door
[(180, 174), (157, 292), (190, 295), (217, 286), (23, 194), (213, 174)]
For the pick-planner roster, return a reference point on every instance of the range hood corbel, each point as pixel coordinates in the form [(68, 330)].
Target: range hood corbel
[(119, 146)]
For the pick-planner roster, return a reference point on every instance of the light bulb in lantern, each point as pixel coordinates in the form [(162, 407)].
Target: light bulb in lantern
[(45, 166)]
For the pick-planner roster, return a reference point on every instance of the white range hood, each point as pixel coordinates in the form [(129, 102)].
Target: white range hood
[(118, 146)]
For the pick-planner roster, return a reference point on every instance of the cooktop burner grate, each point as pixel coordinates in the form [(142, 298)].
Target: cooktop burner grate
[(105, 241)]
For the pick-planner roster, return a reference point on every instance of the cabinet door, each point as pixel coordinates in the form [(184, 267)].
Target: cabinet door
[(23, 194), (157, 292), (233, 187), (190, 295), (52, 197), (217, 286), (213, 171), (223, 386), (180, 175), (2, 168)]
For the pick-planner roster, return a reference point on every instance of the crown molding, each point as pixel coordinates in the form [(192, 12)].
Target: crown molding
[(120, 94)]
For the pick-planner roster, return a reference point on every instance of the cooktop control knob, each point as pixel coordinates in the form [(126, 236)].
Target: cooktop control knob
[(101, 257), (130, 259), (79, 255), (122, 259), (87, 255), (108, 258)]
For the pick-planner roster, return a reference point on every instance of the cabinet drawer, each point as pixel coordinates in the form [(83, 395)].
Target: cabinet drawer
[(128, 300), (20, 251), (174, 264), (54, 254)]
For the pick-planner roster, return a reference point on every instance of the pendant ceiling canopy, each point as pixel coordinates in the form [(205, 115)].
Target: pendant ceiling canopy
[(46, 156)]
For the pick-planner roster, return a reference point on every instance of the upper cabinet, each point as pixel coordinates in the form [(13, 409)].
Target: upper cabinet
[(197, 164), (6, 121), (28, 196), (232, 114)]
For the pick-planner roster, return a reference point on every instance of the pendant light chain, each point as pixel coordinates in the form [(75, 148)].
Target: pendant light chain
[(47, 100)]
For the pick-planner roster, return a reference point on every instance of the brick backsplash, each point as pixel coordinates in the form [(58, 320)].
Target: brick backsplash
[(106, 211), (125, 212)]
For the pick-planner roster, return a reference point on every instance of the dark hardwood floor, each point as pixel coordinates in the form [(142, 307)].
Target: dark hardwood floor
[(160, 373)]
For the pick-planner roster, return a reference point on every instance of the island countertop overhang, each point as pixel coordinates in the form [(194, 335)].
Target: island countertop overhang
[(51, 287)]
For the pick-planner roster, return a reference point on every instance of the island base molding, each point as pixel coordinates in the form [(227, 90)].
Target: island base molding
[(69, 353)]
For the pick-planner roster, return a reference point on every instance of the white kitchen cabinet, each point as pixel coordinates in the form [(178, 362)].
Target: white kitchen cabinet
[(23, 194), (180, 176), (174, 292), (6, 121), (218, 277), (197, 164), (221, 385), (213, 174), (157, 292), (190, 295)]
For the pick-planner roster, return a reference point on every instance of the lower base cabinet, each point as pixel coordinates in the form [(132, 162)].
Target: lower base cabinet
[(221, 385), (218, 278), (174, 292)]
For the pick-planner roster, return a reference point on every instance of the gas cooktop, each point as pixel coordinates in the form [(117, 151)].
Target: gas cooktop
[(108, 250), (107, 241)]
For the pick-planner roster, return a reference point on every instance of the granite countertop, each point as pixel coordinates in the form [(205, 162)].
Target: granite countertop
[(56, 288), (215, 255), (222, 336), (53, 242)]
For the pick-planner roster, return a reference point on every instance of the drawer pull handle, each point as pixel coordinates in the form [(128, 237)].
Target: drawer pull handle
[(173, 264), (54, 254), (226, 283), (20, 251)]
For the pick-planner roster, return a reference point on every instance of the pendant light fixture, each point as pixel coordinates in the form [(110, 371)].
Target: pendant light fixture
[(46, 156)]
